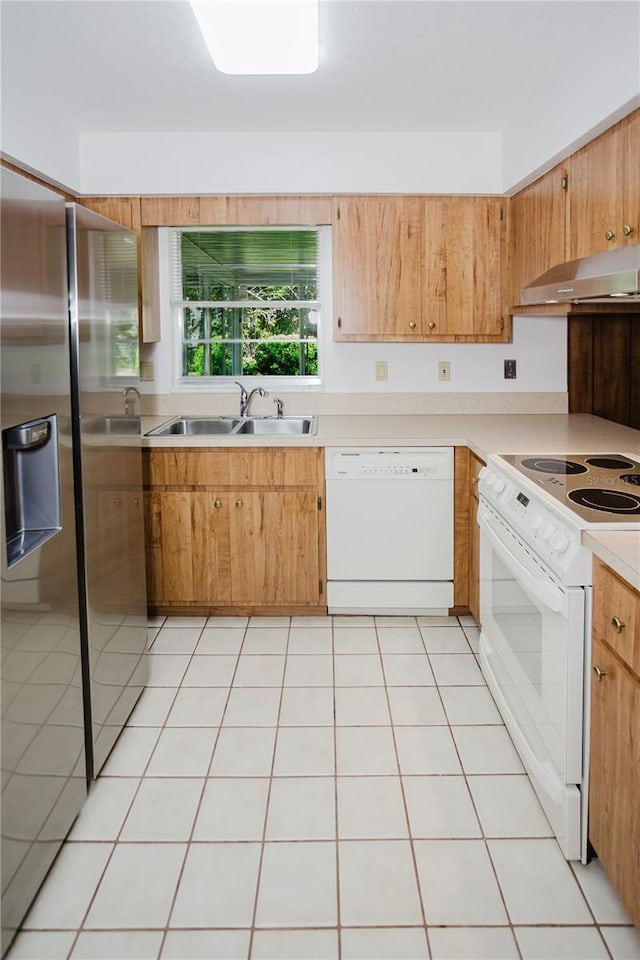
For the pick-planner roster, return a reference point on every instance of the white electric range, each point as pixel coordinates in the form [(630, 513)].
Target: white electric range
[(535, 609)]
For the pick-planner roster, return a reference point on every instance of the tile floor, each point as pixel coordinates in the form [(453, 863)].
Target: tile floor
[(320, 787)]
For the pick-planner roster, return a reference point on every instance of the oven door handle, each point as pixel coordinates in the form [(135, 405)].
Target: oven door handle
[(546, 593)]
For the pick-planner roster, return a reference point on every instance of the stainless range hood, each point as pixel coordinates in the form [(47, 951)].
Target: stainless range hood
[(602, 277)]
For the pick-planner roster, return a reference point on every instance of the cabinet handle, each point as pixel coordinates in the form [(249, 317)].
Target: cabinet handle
[(475, 480), (627, 229), (432, 324), (117, 500), (609, 235), (217, 504), (135, 503), (599, 673), (239, 504), (617, 624), (412, 324)]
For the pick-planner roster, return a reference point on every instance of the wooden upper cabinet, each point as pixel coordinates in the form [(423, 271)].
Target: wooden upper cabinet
[(376, 268), (604, 191), (537, 230), (124, 210), (463, 250)]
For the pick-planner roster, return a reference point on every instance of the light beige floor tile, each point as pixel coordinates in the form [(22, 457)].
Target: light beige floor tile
[(377, 883), (302, 808), (486, 749), (270, 622), (167, 669), (232, 809), (182, 752), (155, 621), (206, 945), (259, 671), (447, 639), (306, 706), (132, 752), (457, 883), (472, 943), (456, 669), (469, 705), (569, 943), (252, 707), (355, 620), (243, 752), (508, 807), (164, 809), (361, 706), (395, 621), (304, 751), (407, 669), (412, 706), (537, 882), (259, 640), (623, 942), (210, 671), (149, 869), (295, 945), (307, 622), (601, 896), (171, 640), (42, 945), (426, 750), (123, 944), (220, 640), (400, 943), (227, 621), (298, 885), (371, 808), (309, 671), (363, 751), (105, 808), (218, 886), (440, 807), (198, 707), (472, 633), (310, 639), (185, 622), (63, 900), (355, 640), (436, 621), (352, 670), (400, 640), (152, 709)]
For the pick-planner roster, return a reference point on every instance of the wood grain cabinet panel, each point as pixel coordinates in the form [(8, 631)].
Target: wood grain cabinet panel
[(614, 776), (475, 467), (235, 530), (604, 191), (537, 230)]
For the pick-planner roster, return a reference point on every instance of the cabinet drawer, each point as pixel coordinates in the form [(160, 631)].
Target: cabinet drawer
[(616, 615), (223, 467)]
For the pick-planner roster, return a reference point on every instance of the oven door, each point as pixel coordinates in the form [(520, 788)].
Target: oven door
[(532, 655)]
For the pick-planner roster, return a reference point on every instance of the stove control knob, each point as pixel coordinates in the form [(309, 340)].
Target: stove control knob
[(547, 531), (498, 484), (489, 477), (560, 542), (536, 521)]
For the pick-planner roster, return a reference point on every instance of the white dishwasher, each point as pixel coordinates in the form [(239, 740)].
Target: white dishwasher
[(389, 530)]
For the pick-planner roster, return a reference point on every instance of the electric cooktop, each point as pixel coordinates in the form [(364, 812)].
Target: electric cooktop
[(600, 488)]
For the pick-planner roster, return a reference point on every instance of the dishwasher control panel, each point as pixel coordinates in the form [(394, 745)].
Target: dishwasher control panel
[(403, 463)]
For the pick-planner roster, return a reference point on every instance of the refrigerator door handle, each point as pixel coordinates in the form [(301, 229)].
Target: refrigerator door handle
[(28, 435)]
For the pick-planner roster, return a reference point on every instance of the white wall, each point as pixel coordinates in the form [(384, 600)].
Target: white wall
[(131, 163)]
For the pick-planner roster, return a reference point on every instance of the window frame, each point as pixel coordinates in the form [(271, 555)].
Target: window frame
[(226, 382)]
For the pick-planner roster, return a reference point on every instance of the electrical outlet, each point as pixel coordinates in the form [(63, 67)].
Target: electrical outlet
[(509, 370), (146, 370), (444, 371), (382, 370)]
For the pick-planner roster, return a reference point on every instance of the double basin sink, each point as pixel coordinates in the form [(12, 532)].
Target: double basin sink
[(235, 426)]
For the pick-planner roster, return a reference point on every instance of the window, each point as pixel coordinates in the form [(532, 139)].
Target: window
[(248, 301)]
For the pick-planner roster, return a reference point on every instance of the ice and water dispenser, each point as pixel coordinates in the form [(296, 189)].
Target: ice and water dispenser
[(31, 485)]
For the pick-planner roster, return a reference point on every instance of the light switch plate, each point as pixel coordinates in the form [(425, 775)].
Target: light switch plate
[(382, 370)]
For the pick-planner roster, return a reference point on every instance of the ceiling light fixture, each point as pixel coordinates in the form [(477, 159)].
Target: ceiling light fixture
[(260, 36)]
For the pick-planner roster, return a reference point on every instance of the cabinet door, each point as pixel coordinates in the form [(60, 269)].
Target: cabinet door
[(537, 230), (376, 268), (596, 195), (275, 548), (463, 239), (631, 185), (188, 557), (474, 539), (614, 780)]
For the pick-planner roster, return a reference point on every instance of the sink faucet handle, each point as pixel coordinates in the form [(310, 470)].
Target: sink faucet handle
[(278, 403), (127, 402), (244, 398)]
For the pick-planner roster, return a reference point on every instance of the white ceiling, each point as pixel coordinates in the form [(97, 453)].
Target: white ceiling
[(385, 65)]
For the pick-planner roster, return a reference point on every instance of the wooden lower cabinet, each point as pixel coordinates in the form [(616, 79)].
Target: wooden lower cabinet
[(614, 778), (466, 578), (475, 467), (249, 545)]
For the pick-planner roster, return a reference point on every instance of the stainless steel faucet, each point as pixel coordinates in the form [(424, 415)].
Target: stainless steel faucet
[(278, 403), (127, 401), (245, 398)]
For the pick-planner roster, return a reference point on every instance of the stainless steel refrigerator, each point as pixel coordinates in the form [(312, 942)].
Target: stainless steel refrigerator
[(73, 602)]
